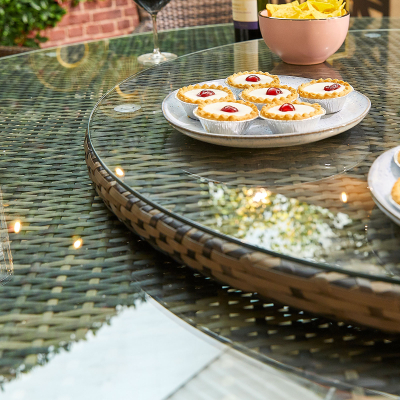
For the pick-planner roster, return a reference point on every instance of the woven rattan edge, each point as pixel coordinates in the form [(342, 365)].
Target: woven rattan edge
[(336, 295)]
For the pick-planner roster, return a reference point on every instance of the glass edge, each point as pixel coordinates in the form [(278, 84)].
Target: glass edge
[(308, 376), (309, 263)]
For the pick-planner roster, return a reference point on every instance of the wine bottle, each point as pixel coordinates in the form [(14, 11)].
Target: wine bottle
[(245, 19)]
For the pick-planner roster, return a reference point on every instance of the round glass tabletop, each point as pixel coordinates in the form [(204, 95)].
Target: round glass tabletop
[(310, 203)]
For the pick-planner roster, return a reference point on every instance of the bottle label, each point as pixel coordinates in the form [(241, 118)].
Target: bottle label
[(245, 15)]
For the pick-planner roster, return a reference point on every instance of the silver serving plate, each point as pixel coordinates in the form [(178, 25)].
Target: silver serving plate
[(381, 177), (259, 135)]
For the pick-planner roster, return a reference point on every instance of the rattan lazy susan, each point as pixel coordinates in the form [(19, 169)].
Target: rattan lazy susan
[(344, 296)]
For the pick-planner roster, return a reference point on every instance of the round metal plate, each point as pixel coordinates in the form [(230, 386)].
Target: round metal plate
[(259, 135)]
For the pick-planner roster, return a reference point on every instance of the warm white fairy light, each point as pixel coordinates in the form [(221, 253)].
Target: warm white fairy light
[(17, 226), (119, 171)]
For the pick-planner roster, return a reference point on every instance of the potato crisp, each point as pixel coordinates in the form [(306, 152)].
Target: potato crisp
[(310, 9)]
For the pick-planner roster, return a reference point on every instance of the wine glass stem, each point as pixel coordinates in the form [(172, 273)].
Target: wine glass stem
[(156, 51)]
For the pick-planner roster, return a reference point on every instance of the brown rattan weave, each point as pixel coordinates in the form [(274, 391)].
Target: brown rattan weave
[(333, 294), (58, 293), (10, 50), (185, 13), (164, 171)]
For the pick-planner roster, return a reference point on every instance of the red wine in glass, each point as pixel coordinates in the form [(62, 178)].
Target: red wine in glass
[(153, 7)]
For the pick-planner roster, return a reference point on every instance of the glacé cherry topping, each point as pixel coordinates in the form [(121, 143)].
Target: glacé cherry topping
[(331, 87), (253, 78), (205, 93), (273, 91), (286, 107), (229, 109)]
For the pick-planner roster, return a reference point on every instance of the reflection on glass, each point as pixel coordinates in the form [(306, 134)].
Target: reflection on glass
[(278, 223), (78, 243), (72, 56), (17, 226), (69, 68), (6, 261), (119, 172), (171, 169), (106, 365)]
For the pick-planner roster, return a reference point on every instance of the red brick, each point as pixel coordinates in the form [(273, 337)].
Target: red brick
[(125, 24), (112, 18), (64, 21), (106, 28), (56, 34), (92, 29), (130, 11), (90, 5), (75, 31), (47, 44), (72, 41), (76, 8), (79, 18), (104, 4), (104, 15)]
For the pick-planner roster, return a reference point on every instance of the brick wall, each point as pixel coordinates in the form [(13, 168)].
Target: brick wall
[(91, 20)]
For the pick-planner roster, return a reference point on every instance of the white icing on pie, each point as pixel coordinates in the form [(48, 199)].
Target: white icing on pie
[(298, 109), (318, 88), (215, 108), (241, 79), (192, 94), (262, 93)]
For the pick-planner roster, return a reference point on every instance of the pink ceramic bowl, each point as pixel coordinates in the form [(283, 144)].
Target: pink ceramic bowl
[(303, 41)]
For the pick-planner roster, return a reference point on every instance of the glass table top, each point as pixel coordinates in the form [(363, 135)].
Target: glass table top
[(60, 295), (308, 202), (175, 361)]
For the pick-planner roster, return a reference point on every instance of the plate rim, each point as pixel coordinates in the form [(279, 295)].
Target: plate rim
[(387, 212), (395, 217), (396, 155), (267, 137), (210, 138)]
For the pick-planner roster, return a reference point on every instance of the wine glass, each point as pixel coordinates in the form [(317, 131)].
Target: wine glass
[(153, 7)]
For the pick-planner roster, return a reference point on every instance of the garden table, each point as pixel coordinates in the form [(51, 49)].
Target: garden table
[(74, 265)]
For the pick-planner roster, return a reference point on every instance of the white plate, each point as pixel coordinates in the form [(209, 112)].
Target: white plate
[(396, 157), (259, 135), (381, 177)]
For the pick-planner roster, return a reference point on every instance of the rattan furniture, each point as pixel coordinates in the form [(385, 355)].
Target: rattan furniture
[(292, 224), (58, 293), (186, 13), (10, 50)]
